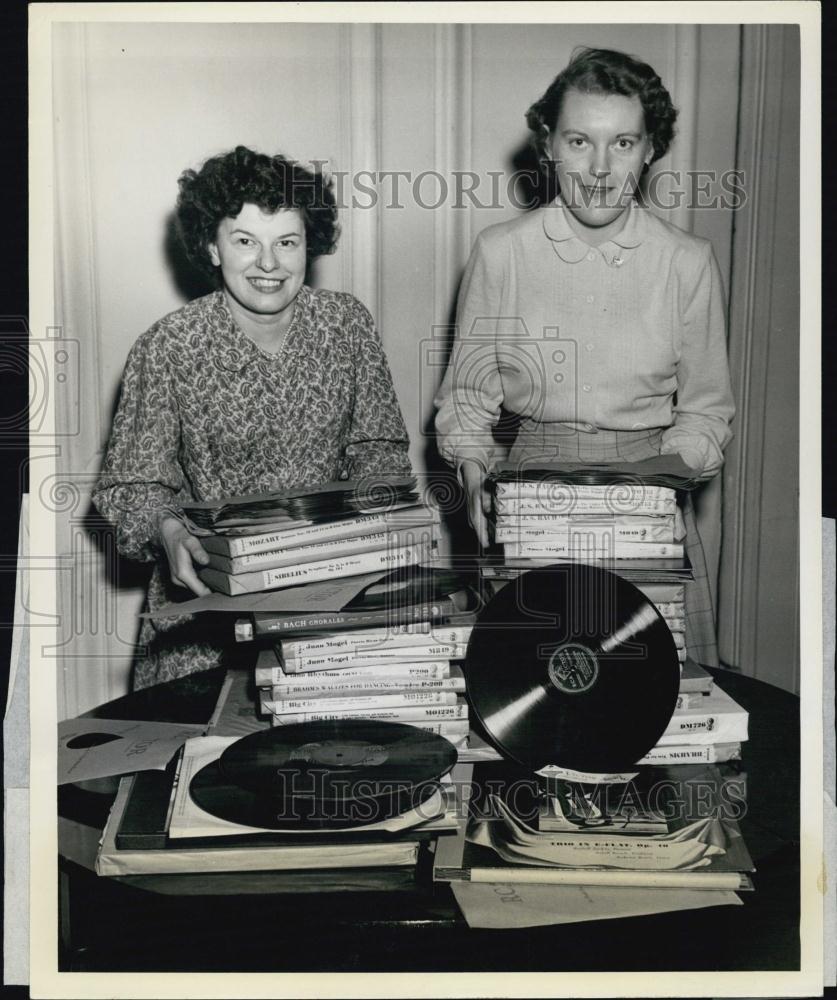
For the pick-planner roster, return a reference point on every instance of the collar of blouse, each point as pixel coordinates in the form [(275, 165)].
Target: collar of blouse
[(571, 249), (232, 350)]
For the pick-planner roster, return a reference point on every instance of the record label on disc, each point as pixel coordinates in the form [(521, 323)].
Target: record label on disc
[(573, 668), (570, 665), (342, 753)]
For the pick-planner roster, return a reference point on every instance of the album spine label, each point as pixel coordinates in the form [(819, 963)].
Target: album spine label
[(555, 491), (349, 702), (395, 637), (710, 753), (296, 535), (270, 624), (371, 657), (561, 522), (388, 672), (313, 572), (275, 559), (697, 726), (579, 547), (372, 685), (582, 505), (512, 529), (429, 713)]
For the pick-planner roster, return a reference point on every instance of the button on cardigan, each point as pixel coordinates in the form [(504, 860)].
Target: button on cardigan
[(629, 335)]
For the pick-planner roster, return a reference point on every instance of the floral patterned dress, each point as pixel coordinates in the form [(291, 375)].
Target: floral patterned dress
[(205, 413)]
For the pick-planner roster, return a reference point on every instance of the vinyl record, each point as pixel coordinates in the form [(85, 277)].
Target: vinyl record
[(218, 795), (331, 773), (571, 665), (411, 585)]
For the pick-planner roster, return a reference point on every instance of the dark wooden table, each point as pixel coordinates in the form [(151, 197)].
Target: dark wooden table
[(266, 922)]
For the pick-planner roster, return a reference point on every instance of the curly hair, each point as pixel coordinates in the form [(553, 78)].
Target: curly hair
[(226, 182), (605, 71)]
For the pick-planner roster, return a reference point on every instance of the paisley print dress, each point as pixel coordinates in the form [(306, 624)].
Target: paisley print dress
[(205, 413)]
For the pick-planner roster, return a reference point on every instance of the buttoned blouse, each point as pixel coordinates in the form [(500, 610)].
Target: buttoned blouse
[(205, 413), (629, 335)]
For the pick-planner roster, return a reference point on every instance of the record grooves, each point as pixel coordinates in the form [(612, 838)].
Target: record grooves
[(571, 665), (324, 775)]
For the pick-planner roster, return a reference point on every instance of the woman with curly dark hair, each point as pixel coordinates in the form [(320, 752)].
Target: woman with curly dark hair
[(599, 325), (266, 384)]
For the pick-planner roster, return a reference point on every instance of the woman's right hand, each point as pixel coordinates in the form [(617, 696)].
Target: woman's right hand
[(479, 502), (183, 550)]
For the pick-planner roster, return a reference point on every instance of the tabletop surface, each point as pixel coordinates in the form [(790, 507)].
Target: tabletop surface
[(391, 921)]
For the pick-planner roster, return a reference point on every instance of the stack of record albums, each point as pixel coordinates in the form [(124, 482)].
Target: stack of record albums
[(306, 807), (336, 764), (394, 654), (573, 676), (341, 529), (401, 673), (627, 519), (396, 724)]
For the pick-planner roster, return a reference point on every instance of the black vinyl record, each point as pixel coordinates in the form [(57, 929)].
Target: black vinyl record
[(332, 774), (571, 665), (218, 795)]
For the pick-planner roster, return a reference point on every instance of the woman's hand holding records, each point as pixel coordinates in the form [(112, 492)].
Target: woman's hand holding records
[(183, 550), (472, 476)]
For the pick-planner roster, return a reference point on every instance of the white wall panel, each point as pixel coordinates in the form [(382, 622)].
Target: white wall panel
[(161, 98), (513, 66), (136, 105)]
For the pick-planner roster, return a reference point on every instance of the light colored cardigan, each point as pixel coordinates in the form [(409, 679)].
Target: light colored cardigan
[(595, 338)]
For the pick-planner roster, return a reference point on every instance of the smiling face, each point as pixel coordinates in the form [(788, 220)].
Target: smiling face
[(600, 148), (262, 261)]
